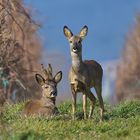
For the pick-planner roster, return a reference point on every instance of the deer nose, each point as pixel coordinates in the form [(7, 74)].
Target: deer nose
[(53, 93), (75, 47)]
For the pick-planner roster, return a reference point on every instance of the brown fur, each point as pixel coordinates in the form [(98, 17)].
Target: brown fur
[(45, 106), (83, 75), (40, 107)]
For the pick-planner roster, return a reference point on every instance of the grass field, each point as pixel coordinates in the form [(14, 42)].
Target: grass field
[(120, 123)]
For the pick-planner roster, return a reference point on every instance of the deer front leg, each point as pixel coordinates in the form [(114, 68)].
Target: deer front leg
[(85, 105), (74, 96)]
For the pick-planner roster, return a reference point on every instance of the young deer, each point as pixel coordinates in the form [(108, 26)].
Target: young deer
[(46, 105), (83, 75)]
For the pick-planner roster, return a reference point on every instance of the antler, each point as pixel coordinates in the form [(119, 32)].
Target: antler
[(47, 72)]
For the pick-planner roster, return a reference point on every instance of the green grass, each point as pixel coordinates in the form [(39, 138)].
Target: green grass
[(121, 122)]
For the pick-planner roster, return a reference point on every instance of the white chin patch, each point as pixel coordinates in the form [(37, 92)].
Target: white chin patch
[(52, 96), (75, 51)]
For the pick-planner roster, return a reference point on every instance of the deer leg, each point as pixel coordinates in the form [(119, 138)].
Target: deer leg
[(85, 105), (99, 94), (92, 102), (74, 96)]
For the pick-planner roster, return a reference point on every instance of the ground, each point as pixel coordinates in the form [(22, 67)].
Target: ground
[(120, 122)]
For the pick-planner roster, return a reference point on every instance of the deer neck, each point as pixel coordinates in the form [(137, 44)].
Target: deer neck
[(77, 62), (48, 100)]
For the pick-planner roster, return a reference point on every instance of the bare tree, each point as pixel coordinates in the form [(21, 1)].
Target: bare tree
[(20, 46), (128, 73)]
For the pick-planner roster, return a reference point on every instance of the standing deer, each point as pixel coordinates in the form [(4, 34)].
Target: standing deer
[(83, 75), (46, 105)]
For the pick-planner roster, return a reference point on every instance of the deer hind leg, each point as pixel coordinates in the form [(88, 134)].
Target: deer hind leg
[(92, 102), (74, 97), (85, 105), (99, 95)]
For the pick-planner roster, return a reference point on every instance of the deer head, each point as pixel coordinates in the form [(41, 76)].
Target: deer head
[(75, 41), (48, 82)]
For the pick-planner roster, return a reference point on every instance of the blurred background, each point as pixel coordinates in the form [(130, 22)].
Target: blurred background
[(113, 40)]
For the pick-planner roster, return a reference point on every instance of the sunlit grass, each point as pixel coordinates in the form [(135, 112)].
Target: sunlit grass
[(120, 122)]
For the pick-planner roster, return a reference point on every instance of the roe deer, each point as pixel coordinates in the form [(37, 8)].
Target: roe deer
[(46, 105), (83, 75)]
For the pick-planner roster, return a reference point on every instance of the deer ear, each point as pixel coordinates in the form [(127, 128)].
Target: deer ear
[(67, 32), (83, 32), (58, 77), (40, 80)]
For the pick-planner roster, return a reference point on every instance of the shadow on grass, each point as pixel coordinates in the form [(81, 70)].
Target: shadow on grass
[(31, 135)]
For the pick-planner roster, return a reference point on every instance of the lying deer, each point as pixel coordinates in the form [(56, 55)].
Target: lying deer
[(83, 75), (46, 105)]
